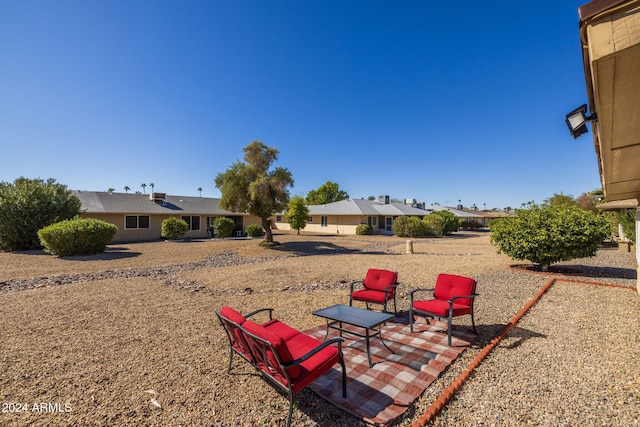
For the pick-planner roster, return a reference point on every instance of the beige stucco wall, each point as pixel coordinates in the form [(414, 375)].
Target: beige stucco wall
[(155, 226), (336, 224)]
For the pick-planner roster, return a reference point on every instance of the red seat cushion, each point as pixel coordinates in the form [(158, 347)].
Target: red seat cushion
[(441, 308), (298, 344), (232, 315), (278, 343), (369, 295), (450, 285)]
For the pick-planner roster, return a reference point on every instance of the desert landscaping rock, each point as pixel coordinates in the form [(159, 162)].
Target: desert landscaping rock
[(129, 337)]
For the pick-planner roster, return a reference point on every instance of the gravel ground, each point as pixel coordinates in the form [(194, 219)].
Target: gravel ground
[(129, 337)]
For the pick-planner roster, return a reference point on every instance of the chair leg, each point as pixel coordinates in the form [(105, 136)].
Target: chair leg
[(411, 318), (344, 376), (290, 407), (230, 361), (449, 328), (473, 323)]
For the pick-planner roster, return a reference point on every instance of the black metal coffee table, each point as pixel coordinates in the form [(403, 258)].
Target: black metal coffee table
[(368, 320)]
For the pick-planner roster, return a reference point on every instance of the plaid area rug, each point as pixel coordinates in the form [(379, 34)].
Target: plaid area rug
[(380, 394)]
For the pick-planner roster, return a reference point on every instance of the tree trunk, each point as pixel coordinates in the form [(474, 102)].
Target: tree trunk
[(267, 229), (544, 267)]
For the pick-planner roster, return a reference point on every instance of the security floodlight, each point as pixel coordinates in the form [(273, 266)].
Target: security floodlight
[(577, 121)]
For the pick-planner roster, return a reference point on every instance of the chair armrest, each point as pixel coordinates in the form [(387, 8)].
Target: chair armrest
[(462, 296), (270, 310), (355, 283), (413, 291), (389, 288), (327, 343)]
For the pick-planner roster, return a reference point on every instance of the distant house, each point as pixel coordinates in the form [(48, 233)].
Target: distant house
[(344, 216), (139, 216)]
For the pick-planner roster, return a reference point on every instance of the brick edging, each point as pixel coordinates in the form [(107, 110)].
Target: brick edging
[(456, 385)]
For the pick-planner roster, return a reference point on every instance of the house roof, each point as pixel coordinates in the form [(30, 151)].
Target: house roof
[(371, 207), (618, 204), (125, 203), (610, 35), (365, 208), (457, 212)]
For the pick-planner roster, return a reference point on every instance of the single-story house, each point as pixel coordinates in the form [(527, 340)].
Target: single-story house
[(139, 216), (344, 216), (610, 42)]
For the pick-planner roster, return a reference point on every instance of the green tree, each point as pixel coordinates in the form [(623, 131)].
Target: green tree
[(27, 205), (297, 214), (549, 234), (173, 228), (126, 189), (253, 187), (560, 200), (328, 192)]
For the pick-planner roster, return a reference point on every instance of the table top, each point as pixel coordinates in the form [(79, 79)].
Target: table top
[(354, 316)]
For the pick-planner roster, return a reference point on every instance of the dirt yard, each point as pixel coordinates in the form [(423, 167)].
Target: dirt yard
[(130, 337)]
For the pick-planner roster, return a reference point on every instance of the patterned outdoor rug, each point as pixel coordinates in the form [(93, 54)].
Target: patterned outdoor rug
[(382, 393)]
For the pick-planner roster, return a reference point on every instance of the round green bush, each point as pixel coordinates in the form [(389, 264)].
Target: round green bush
[(77, 236), (174, 228), (223, 226), (363, 229), (254, 230)]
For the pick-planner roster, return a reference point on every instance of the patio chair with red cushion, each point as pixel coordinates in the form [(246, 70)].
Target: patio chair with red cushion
[(378, 287), (453, 296), (288, 358)]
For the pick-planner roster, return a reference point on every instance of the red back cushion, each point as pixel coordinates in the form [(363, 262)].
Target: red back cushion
[(378, 280), (278, 344), (450, 285), (232, 314)]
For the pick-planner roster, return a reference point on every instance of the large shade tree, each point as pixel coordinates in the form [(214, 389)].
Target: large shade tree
[(328, 192), (27, 205), (253, 186)]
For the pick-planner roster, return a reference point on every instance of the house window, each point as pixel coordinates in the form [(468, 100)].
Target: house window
[(372, 221), (136, 221), (278, 218), (310, 219), (325, 221), (192, 221)]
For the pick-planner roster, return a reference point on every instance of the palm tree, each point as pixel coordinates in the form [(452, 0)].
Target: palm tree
[(111, 190), (144, 187), (126, 189), (152, 185), (200, 190)]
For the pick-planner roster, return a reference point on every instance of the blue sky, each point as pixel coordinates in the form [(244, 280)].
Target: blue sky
[(437, 101)]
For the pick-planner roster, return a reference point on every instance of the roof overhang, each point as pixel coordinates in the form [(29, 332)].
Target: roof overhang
[(610, 35)]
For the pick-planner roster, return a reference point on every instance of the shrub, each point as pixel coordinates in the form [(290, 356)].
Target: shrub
[(628, 222), (363, 229), (223, 226), (28, 205), (549, 234), (173, 228), (409, 227), (254, 230), (434, 225), (451, 222), (471, 224), (77, 236)]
